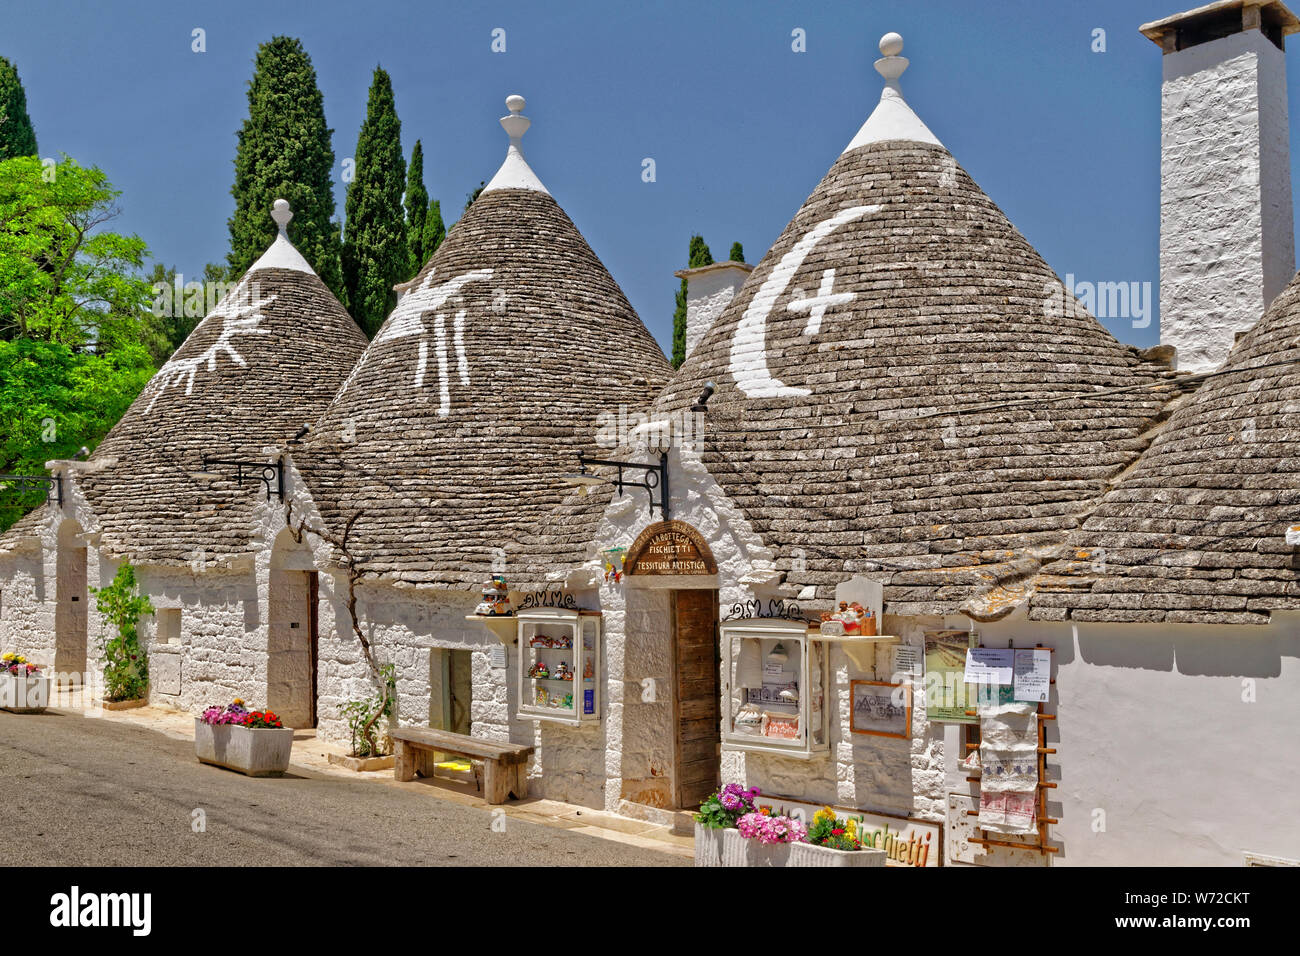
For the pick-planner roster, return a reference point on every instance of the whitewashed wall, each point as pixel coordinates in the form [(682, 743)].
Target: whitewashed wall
[(1160, 743)]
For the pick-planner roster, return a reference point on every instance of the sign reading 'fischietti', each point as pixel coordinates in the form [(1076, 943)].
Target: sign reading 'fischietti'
[(669, 547)]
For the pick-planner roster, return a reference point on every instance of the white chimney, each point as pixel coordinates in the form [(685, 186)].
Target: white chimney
[(709, 289), (1226, 231)]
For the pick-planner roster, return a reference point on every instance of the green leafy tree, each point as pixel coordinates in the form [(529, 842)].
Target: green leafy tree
[(434, 231), (417, 209), (62, 278), (737, 253), (375, 251), (54, 400), (75, 322), (697, 255), (17, 135), (284, 152), (126, 666)]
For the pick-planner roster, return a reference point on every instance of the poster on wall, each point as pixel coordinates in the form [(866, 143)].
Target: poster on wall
[(881, 709), (945, 676)]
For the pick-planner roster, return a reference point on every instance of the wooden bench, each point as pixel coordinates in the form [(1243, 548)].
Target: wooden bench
[(505, 765)]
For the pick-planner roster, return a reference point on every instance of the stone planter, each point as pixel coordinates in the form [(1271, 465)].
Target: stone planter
[(24, 695), (261, 752), (708, 845), (807, 854), (133, 704), (729, 848), (363, 764)]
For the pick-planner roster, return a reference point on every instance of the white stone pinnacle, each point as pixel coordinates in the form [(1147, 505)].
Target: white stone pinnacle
[(515, 172), (282, 254), (892, 118), (282, 215)]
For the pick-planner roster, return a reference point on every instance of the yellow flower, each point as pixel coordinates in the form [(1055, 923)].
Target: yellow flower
[(239, 701)]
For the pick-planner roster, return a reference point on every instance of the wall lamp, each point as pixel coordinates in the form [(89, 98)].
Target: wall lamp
[(265, 472), (656, 478), (703, 400), (53, 485)]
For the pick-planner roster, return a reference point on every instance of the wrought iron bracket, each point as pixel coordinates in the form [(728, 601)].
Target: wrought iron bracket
[(53, 485), (656, 478), (265, 472)]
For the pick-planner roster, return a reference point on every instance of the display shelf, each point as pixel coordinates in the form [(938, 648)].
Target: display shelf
[(860, 648), (551, 638), (502, 625), (774, 698)]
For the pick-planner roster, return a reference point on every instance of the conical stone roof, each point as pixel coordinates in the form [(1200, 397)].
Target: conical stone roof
[(266, 360), (450, 437), (1196, 531), (890, 382)]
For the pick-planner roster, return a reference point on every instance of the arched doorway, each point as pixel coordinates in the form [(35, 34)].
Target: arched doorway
[(673, 559), (291, 647), (70, 600)]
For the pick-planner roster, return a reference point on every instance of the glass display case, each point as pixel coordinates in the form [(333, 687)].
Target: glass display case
[(559, 665), (775, 698)]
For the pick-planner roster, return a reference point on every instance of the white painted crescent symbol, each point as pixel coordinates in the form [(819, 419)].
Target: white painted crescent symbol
[(749, 343)]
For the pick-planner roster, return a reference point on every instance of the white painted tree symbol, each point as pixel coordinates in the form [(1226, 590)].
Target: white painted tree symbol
[(407, 321), (239, 313)]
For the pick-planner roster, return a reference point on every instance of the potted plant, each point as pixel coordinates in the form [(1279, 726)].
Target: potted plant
[(126, 668), (23, 688), (718, 814), (253, 742), (762, 839), (831, 841)]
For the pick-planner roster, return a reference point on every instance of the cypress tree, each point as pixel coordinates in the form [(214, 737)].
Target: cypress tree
[(417, 209), (284, 152), (17, 135), (737, 253), (375, 251), (697, 255), (434, 230)]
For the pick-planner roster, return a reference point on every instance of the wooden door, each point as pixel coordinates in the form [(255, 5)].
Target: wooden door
[(698, 707), (313, 634)]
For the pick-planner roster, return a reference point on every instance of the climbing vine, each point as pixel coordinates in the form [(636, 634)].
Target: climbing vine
[(362, 716)]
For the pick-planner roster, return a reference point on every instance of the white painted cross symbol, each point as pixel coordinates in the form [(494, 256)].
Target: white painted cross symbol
[(816, 306)]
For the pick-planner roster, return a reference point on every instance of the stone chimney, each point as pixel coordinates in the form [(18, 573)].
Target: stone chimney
[(709, 290), (1226, 231)]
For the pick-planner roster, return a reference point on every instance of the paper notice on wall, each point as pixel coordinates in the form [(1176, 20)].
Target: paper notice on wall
[(773, 670), (1033, 674), (907, 659), (989, 665)]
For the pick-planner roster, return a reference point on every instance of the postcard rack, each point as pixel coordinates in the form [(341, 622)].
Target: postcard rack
[(1043, 820)]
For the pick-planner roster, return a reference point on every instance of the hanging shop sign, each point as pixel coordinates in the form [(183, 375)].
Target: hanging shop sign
[(906, 842), (556, 599), (669, 547)]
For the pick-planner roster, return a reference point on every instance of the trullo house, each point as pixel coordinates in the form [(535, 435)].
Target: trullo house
[(164, 491)]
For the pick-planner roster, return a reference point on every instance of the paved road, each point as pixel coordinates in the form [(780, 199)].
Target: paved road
[(84, 791)]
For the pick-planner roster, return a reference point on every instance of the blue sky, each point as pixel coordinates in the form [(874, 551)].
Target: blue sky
[(741, 128)]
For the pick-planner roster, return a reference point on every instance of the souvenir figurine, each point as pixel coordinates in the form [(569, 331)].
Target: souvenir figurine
[(496, 599), (562, 672), (588, 668)]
